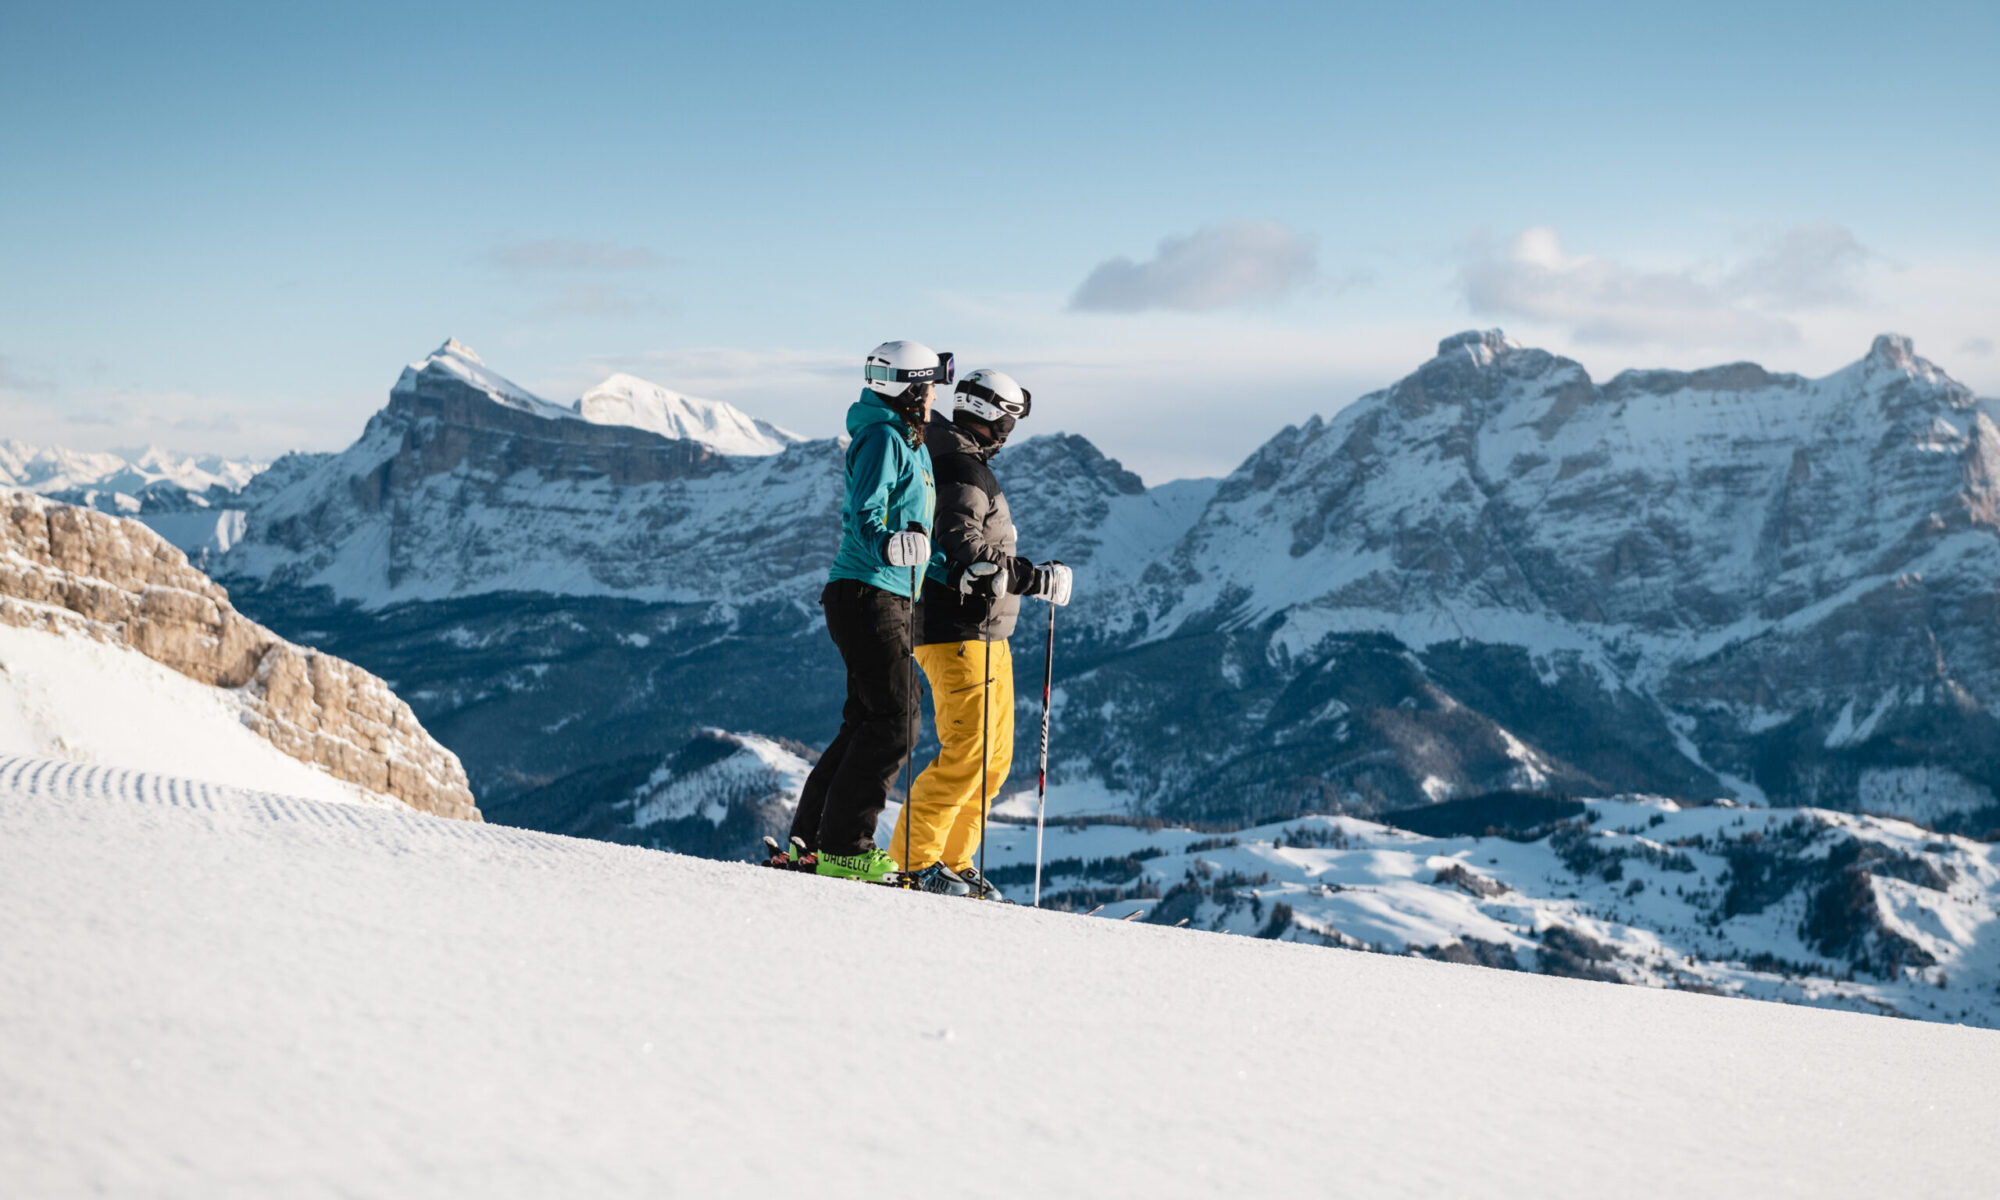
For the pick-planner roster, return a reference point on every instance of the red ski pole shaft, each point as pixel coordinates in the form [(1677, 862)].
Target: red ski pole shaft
[(1042, 777)]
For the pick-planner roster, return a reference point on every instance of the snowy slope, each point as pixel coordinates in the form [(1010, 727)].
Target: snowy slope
[(629, 400), (90, 702), (739, 768), (223, 994)]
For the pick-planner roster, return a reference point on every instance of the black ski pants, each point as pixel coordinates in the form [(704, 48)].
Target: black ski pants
[(849, 786)]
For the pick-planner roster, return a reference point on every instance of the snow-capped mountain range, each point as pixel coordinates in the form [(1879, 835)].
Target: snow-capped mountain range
[(468, 484), (52, 471), (1711, 583), (1496, 574)]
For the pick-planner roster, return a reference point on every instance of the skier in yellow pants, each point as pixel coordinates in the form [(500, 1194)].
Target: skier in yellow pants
[(946, 798), (971, 598)]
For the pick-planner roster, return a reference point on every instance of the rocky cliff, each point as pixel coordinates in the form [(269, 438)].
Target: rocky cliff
[(78, 572)]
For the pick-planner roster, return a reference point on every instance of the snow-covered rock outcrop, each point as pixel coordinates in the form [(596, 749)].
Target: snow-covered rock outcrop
[(95, 581), (629, 400)]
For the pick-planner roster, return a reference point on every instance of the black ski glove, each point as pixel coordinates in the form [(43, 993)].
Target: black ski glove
[(977, 579)]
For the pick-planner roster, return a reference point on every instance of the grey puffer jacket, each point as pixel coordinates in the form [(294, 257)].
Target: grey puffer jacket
[(972, 525)]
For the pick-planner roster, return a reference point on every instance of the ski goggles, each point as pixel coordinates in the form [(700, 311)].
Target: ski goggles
[(1017, 409), (941, 375)]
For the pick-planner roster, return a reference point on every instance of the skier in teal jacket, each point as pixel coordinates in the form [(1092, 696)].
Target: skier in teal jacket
[(885, 524)]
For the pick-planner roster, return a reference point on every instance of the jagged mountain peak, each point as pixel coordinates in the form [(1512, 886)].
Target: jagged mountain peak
[(1895, 349), (456, 361), (457, 349), (1073, 456), (1484, 345)]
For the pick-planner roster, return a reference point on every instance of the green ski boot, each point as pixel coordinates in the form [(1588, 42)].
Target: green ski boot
[(872, 865)]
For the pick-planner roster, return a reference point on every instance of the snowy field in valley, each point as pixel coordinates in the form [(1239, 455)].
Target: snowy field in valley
[(220, 994), (1807, 906)]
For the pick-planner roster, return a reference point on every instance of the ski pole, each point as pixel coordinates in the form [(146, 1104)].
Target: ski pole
[(1042, 779), (985, 699), (916, 727)]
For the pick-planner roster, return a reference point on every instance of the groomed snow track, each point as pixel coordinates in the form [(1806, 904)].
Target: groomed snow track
[(216, 993)]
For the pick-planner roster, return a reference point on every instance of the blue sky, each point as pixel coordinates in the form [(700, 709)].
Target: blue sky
[(228, 226)]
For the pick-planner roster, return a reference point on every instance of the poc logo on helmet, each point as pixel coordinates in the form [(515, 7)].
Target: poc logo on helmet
[(893, 367)]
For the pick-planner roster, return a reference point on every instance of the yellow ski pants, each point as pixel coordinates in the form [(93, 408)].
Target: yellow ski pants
[(946, 819)]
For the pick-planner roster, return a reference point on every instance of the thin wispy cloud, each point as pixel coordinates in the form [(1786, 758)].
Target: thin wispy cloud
[(14, 379), (597, 299), (1217, 266), (1978, 347), (1604, 301), (561, 255), (1813, 266)]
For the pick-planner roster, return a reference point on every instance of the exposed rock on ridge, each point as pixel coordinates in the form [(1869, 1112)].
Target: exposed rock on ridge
[(72, 570)]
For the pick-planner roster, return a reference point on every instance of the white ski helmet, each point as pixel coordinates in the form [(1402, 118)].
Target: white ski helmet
[(893, 366), (990, 395)]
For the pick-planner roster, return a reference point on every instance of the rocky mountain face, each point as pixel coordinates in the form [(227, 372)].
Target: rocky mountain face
[(1497, 574), (467, 485), (81, 573), (1723, 582)]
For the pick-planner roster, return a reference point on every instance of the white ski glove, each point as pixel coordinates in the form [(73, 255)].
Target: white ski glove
[(909, 548), (1052, 582)]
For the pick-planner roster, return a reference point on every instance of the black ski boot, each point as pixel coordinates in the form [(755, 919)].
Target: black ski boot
[(941, 880), (979, 887)]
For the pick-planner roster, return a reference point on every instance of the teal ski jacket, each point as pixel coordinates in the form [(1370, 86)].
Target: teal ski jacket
[(889, 487)]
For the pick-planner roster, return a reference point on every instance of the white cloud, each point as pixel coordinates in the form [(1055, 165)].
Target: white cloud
[(14, 379), (1978, 347), (1599, 300), (1217, 266), (595, 299), (1813, 266)]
